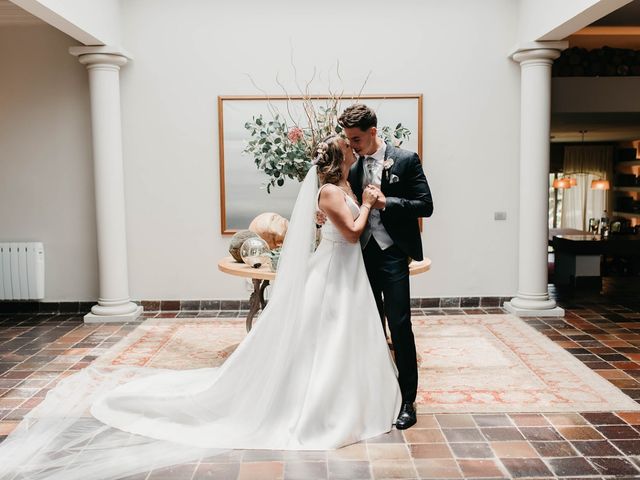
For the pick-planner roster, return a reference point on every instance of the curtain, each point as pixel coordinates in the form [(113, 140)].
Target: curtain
[(585, 163)]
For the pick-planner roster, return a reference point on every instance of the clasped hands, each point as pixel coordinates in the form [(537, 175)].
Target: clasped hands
[(372, 195)]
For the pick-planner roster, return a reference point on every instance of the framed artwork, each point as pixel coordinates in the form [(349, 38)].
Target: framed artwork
[(243, 195)]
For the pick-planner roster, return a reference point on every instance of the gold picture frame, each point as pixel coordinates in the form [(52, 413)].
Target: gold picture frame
[(241, 195)]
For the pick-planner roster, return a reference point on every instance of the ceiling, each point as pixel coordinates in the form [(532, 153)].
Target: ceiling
[(600, 127), (11, 15), (628, 16)]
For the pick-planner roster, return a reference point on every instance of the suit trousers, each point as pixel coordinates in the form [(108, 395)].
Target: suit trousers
[(388, 272)]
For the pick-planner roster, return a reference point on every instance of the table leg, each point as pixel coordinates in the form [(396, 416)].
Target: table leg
[(256, 300), (263, 287)]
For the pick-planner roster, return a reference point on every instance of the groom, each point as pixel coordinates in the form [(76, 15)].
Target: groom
[(392, 236)]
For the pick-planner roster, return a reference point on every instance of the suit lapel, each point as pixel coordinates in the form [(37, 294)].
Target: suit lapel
[(357, 175), (386, 174)]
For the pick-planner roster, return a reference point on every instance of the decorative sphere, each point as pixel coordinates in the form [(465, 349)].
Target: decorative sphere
[(271, 227), (236, 242), (255, 252)]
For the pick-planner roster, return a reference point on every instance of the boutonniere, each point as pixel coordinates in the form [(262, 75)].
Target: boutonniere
[(386, 166)]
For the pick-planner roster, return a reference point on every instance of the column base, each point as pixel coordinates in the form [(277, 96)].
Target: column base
[(114, 318), (533, 312)]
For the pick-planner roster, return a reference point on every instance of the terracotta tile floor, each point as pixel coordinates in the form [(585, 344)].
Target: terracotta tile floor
[(36, 351)]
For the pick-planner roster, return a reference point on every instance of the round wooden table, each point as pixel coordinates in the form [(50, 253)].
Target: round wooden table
[(261, 277)]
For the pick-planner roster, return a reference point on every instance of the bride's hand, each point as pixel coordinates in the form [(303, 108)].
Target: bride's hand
[(369, 196)]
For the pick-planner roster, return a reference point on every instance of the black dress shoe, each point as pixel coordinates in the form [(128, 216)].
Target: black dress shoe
[(407, 416)]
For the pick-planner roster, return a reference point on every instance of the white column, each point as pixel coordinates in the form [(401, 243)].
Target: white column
[(103, 64), (535, 118)]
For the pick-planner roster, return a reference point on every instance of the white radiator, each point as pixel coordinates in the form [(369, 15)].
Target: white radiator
[(21, 271)]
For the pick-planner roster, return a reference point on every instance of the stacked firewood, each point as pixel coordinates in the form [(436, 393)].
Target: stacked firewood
[(599, 62)]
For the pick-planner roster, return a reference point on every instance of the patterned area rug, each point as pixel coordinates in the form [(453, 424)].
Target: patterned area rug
[(498, 363), (482, 363)]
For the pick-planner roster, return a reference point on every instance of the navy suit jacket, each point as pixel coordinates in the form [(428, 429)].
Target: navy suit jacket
[(408, 198)]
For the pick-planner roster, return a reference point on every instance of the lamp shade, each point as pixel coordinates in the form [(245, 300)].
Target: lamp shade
[(600, 184), (562, 183), (573, 181)]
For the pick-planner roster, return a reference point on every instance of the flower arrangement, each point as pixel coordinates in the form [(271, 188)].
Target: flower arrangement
[(274, 255), (283, 148)]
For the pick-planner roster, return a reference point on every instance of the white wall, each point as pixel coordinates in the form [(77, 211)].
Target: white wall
[(188, 53), (46, 174)]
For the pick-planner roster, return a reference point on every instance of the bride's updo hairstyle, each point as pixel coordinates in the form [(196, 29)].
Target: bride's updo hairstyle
[(329, 159)]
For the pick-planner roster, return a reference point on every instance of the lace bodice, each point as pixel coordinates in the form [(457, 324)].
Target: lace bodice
[(329, 230)]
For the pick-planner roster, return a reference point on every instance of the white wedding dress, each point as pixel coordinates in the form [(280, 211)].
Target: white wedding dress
[(314, 373)]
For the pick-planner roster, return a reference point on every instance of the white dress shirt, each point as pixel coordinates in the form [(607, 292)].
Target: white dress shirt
[(375, 176)]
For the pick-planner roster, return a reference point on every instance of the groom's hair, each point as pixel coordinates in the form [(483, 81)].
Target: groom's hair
[(358, 115)]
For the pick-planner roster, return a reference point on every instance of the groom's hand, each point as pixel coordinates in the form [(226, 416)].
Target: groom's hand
[(321, 218), (381, 203)]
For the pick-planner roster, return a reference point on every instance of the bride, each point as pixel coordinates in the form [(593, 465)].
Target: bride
[(315, 373)]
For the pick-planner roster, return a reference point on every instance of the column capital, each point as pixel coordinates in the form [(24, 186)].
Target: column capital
[(538, 51), (102, 54)]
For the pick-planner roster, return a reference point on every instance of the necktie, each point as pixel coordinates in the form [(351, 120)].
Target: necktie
[(369, 177)]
